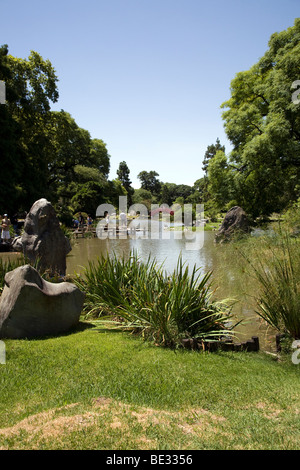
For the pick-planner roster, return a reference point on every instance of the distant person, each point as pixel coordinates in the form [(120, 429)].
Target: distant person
[(81, 220), (5, 235), (75, 223), (106, 218), (89, 222)]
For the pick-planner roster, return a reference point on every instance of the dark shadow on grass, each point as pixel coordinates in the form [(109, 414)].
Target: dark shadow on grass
[(81, 326)]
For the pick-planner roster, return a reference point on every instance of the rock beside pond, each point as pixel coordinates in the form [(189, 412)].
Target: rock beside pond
[(43, 241), (235, 222), (32, 307)]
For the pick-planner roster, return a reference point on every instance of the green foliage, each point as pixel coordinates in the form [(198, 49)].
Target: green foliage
[(263, 124), (150, 182), (6, 266), (143, 196), (210, 153), (30, 86), (88, 197), (220, 180), (45, 153), (123, 176), (161, 307), (277, 270), (291, 218)]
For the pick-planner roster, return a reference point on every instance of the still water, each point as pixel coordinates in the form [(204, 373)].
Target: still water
[(229, 275)]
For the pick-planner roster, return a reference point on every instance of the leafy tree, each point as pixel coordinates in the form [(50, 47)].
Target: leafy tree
[(45, 153), (220, 180), (123, 176), (150, 182), (199, 191), (73, 158), (263, 124), (30, 86), (88, 197), (143, 196), (168, 193), (210, 153), (99, 157)]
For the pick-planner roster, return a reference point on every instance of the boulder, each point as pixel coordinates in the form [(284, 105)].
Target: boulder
[(32, 307), (235, 222), (43, 242)]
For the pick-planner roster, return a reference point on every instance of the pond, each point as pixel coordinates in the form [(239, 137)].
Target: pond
[(229, 275)]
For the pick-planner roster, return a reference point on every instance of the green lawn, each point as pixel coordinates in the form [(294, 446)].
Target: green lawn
[(103, 389)]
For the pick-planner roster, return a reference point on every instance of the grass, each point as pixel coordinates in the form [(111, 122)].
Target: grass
[(103, 389)]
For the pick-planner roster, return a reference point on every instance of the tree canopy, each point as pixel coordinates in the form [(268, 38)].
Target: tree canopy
[(45, 153), (263, 124)]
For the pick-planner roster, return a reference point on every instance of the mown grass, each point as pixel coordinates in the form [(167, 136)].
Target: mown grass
[(103, 389)]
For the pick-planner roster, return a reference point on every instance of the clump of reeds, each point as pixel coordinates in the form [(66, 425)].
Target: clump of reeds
[(277, 271), (6, 266), (145, 298)]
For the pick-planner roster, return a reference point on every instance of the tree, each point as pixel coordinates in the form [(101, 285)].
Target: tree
[(88, 197), (263, 124), (73, 158), (168, 193), (123, 176), (210, 153), (199, 191), (150, 182), (220, 180), (30, 87), (143, 196), (99, 157)]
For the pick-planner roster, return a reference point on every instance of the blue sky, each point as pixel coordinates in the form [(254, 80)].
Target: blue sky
[(147, 76)]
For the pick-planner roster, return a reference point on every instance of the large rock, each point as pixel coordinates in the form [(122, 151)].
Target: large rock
[(235, 222), (43, 242), (31, 307)]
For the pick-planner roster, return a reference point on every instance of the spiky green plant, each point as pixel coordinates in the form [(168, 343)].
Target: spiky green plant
[(278, 273), (6, 266), (147, 299)]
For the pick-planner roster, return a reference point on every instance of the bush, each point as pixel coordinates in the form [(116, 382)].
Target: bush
[(165, 308), (277, 270), (6, 266)]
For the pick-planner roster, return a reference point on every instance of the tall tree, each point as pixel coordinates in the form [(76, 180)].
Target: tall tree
[(31, 86), (262, 120), (220, 180), (150, 182), (210, 153), (123, 176)]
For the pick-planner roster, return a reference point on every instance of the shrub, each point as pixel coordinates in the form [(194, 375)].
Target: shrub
[(278, 273), (6, 266), (145, 298)]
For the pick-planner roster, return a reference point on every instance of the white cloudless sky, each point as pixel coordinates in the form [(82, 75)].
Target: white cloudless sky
[(147, 76)]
